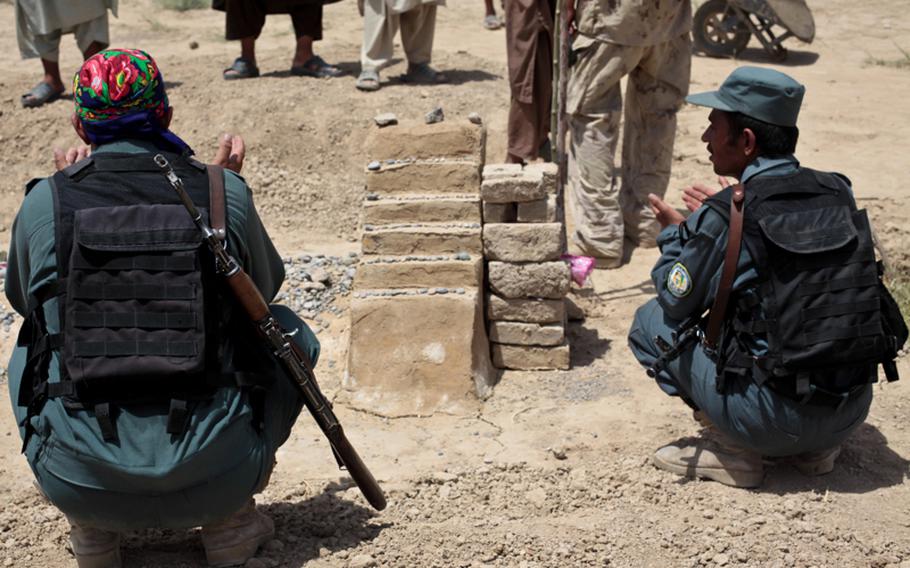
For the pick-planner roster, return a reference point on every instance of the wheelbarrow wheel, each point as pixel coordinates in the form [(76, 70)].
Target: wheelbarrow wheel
[(717, 30)]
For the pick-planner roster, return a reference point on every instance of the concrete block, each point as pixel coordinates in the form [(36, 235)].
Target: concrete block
[(422, 239), (524, 309), (519, 333), (523, 242), (417, 354), (532, 280), (422, 209), (530, 358), (452, 138), (423, 273), (492, 171), (548, 173), (498, 212), (512, 189), (447, 176), (538, 211)]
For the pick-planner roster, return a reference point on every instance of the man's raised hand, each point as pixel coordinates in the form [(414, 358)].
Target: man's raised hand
[(695, 195), (65, 158), (664, 214), (230, 154)]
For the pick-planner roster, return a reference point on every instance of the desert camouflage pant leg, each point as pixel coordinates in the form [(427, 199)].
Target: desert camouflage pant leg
[(606, 210)]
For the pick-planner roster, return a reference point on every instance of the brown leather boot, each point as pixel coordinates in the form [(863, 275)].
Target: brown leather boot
[(816, 463), (234, 540)]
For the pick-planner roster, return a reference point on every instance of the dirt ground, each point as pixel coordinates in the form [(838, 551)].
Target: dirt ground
[(554, 471)]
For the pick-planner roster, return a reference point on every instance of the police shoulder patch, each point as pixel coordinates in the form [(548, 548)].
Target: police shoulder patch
[(679, 283)]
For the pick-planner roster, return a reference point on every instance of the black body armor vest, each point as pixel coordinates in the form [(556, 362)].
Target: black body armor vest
[(820, 302)]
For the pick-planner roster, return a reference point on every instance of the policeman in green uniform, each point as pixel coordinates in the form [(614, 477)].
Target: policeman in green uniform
[(207, 473), (752, 136)]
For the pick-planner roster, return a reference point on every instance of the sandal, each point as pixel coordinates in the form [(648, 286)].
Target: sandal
[(368, 80), (316, 67), (241, 69), (41, 94), (423, 74), (492, 22)]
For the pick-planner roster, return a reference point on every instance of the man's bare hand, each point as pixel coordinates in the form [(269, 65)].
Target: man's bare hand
[(664, 214), (68, 157), (695, 195), (230, 154)]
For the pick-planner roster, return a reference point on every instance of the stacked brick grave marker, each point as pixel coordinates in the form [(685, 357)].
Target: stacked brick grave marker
[(418, 343), (523, 239)]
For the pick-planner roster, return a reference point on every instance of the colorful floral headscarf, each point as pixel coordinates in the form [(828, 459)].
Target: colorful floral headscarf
[(119, 93)]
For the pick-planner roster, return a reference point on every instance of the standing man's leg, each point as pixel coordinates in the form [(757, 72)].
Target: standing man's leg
[(243, 22), (418, 26), (490, 20), (307, 22), (655, 92), (379, 29), (594, 106)]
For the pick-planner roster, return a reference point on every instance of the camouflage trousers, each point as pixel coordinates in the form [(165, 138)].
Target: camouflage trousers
[(605, 210)]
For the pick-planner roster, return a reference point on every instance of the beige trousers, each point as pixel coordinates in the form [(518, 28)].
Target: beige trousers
[(47, 46), (607, 204), (379, 29)]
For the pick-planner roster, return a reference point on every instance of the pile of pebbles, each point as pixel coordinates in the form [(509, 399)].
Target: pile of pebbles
[(312, 283)]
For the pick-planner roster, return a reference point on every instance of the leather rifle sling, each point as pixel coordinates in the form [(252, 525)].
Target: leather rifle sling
[(216, 201), (731, 259)]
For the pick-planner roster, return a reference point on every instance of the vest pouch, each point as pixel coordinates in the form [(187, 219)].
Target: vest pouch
[(824, 289), (134, 305)]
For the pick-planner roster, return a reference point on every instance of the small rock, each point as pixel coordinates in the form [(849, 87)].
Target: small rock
[(385, 119), (274, 546), (255, 563), (475, 118), (444, 477), (194, 45), (362, 561), (558, 452), (374, 166), (434, 116)]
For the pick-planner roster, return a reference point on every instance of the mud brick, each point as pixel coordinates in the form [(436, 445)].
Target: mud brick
[(530, 280), (445, 176), (417, 354), (422, 273), (492, 171), (548, 172), (456, 138), (539, 211), (498, 212), (523, 242), (530, 310), (530, 358), (422, 209), (422, 239), (512, 189), (519, 333)]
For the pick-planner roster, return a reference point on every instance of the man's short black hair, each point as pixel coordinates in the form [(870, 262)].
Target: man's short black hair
[(771, 139)]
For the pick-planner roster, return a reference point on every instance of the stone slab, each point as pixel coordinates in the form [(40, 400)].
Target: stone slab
[(491, 171), (530, 358), (548, 173), (525, 309), (520, 333), (523, 242), (419, 274), (538, 211), (422, 209), (416, 355), (531, 280), (452, 138), (512, 189), (445, 176), (498, 212), (422, 239)]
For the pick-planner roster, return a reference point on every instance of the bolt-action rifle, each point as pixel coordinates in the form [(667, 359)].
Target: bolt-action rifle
[(293, 359)]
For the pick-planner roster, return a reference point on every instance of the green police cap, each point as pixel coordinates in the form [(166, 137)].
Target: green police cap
[(763, 94)]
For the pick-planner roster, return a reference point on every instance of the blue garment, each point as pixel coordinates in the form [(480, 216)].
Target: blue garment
[(150, 478), (754, 416)]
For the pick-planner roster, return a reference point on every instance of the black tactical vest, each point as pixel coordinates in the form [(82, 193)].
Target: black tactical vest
[(820, 303), (143, 315)]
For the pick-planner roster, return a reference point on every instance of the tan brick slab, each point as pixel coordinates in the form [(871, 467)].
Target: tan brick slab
[(498, 212), (523, 242), (538, 211), (548, 173), (420, 274), (446, 176), (491, 171), (530, 358), (524, 309), (422, 239), (452, 138), (422, 209), (519, 333), (517, 189), (531, 280)]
